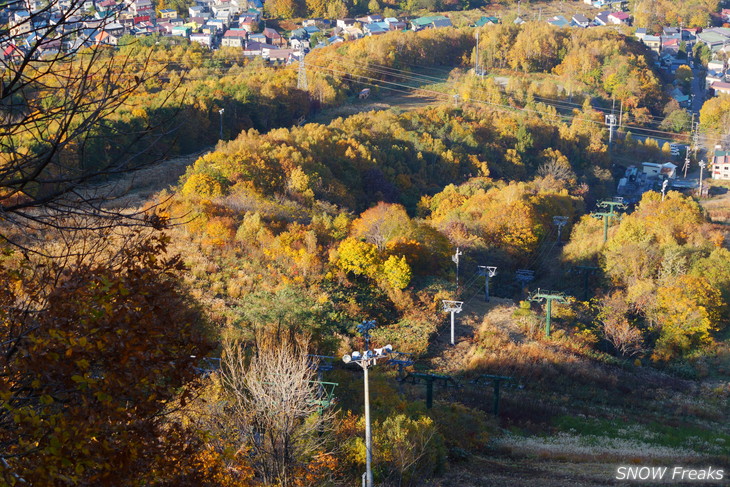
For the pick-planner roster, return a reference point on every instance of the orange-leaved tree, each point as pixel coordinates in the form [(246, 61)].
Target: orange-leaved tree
[(89, 373)]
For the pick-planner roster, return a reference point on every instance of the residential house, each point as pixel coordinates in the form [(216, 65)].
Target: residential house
[(670, 45), (166, 27), (558, 21), (176, 21), (20, 23), (181, 30), (580, 20), (311, 29), (619, 18), (202, 39), (640, 33), (374, 18), (347, 22), (254, 48), (196, 11), (670, 31), (352, 33), (309, 22), (248, 23), (142, 7), (257, 38), (234, 38), (12, 53), (279, 56), (273, 37), (376, 28), (715, 73), (197, 22), (720, 88), (653, 42), (299, 33), (395, 24), (431, 22), (105, 39), (221, 11), (486, 21), (682, 99), (220, 24), (211, 29), (720, 167), (299, 44), (725, 14), (106, 6), (141, 19), (602, 18), (115, 29), (335, 40)]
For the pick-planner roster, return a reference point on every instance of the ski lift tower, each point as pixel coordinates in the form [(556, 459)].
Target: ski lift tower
[(487, 272), (452, 307)]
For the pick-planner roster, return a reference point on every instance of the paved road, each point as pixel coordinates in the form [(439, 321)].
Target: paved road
[(698, 89)]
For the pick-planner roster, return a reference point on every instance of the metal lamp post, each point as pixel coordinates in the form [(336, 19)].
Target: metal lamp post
[(221, 114), (365, 360)]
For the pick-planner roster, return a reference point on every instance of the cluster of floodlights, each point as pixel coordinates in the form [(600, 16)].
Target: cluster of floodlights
[(368, 355), (364, 360)]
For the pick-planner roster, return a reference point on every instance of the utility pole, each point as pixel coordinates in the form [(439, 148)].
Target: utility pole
[(586, 271), (686, 161), (302, 77), (664, 188), (455, 258), (611, 123), (221, 114), (523, 276), (621, 114), (560, 221), (695, 136), (549, 297), (487, 272), (452, 307), (476, 58), (612, 207), (703, 165)]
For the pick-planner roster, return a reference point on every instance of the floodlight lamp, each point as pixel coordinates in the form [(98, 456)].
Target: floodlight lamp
[(388, 348), (347, 359), (356, 356), (378, 351)]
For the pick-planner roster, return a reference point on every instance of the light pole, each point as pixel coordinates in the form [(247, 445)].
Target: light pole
[(664, 188), (221, 114), (365, 360)]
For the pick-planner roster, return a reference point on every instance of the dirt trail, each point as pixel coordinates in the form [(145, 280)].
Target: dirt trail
[(135, 189), (450, 359)]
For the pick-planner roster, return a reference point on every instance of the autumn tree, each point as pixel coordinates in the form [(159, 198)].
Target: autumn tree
[(277, 406), (89, 373)]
